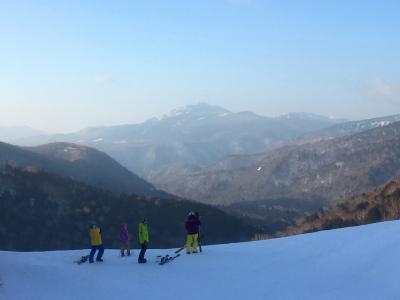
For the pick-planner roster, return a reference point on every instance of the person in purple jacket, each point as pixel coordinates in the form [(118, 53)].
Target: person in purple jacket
[(125, 239), (192, 229)]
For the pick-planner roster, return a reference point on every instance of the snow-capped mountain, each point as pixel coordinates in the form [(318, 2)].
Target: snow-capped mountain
[(352, 263), (353, 127), (201, 110), (197, 134)]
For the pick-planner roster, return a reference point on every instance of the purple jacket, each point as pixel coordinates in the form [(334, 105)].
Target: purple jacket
[(124, 234), (192, 225)]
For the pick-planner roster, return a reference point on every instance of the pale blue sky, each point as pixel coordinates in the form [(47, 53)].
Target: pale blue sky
[(70, 64)]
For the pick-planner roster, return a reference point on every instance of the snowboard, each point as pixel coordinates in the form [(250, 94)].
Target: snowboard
[(82, 260)]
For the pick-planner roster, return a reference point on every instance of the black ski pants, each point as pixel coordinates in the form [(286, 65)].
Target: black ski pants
[(143, 248)]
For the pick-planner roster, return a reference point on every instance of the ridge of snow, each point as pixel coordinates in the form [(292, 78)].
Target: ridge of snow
[(70, 148), (201, 110), (121, 142), (351, 263), (380, 123), (305, 116)]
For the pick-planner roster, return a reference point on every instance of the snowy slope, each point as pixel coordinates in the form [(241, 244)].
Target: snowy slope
[(353, 263)]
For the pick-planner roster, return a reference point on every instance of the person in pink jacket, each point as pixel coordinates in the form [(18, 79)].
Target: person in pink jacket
[(125, 239)]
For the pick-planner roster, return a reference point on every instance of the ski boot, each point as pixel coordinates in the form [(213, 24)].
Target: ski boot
[(142, 261)]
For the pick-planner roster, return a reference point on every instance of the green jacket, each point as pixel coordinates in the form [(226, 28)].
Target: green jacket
[(143, 233)]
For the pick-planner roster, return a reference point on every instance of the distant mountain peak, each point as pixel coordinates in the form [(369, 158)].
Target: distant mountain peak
[(201, 109), (11, 133)]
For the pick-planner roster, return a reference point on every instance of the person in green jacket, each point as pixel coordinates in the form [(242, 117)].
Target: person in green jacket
[(143, 240)]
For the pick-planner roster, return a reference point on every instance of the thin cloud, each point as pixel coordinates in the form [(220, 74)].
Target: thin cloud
[(380, 90), (104, 79)]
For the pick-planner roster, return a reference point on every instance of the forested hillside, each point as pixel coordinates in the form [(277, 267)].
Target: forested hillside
[(41, 211)]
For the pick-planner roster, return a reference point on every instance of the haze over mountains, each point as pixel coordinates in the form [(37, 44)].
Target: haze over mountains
[(326, 171), (197, 134), (273, 170), (9, 134)]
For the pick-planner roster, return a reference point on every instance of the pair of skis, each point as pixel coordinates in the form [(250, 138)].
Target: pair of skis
[(167, 258), (162, 260)]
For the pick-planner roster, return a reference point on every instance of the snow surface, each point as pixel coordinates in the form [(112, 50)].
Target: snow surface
[(122, 142), (353, 263), (380, 123)]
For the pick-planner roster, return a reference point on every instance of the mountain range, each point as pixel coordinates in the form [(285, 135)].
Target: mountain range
[(269, 171), (321, 172), (197, 134)]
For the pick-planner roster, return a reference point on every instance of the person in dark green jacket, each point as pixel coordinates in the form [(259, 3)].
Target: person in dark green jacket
[(143, 240)]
